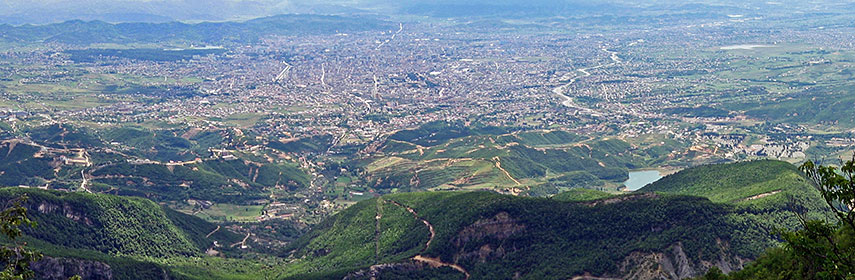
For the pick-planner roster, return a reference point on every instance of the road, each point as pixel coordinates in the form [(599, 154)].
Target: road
[(83, 184), (400, 29)]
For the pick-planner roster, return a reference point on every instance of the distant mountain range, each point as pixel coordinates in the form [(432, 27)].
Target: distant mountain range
[(53, 11), (78, 32)]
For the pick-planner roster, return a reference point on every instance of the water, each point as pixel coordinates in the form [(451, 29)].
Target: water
[(745, 47), (639, 179)]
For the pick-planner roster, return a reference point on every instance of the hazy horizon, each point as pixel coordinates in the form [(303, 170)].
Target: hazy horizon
[(52, 11)]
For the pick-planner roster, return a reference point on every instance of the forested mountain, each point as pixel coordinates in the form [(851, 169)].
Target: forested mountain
[(482, 235), (104, 236), (491, 236)]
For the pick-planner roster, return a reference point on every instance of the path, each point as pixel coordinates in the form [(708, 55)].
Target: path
[(242, 243), (212, 233), (432, 262), (499, 166), (83, 184), (762, 195)]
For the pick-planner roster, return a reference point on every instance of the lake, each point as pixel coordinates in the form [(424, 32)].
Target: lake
[(639, 179)]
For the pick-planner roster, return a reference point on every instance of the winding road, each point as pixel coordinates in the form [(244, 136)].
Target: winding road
[(432, 262)]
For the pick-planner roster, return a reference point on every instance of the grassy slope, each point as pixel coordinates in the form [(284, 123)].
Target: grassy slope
[(733, 182), (116, 225)]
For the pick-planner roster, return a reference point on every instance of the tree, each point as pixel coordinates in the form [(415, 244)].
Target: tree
[(822, 249), (826, 250), (15, 257)]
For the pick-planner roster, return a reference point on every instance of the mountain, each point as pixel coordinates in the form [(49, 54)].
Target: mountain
[(493, 236), (84, 33), (159, 165), (103, 235), (657, 233), (484, 235), (48, 11)]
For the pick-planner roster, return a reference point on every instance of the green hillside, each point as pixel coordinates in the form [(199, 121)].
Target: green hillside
[(766, 192), (452, 156), (579, 194), (113, 224), (134, 237), (448, 235), (493, 236), (171, 165), (741, 182)]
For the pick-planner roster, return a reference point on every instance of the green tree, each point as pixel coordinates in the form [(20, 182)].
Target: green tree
[(714, 274), (826, 250), (821, 250), (15, 257)]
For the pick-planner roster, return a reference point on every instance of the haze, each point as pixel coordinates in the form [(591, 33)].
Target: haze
[(50, 11)]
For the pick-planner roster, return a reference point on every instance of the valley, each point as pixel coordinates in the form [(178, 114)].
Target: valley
[(412, 140)]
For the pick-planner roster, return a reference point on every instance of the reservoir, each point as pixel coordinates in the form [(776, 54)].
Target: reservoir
[(639, 179)]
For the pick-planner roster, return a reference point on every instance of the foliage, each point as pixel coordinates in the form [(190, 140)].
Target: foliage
[(734, 182), (20, 167), (15, 258), (820, 250), (456, 155), (553, 239), (438, 132), (812, 107), (64, 134), (580, 194), (105, 223), (764, 193), (211, 180)]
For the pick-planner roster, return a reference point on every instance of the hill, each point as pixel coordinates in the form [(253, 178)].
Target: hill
[(119, 236), (485, 235), (84, 33), (442, 235), (741, 182), (579, 194), (453, 156)]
